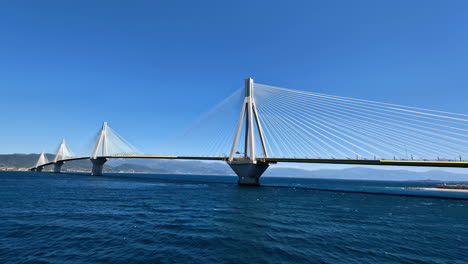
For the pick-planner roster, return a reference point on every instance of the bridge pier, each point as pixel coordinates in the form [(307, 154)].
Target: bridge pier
[(39, 168), (58, 166), (98, 164), (249, 172)]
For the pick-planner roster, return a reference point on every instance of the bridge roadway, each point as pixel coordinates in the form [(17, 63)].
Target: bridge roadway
[(419, 163)]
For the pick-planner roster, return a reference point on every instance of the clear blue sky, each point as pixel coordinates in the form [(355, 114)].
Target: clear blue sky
[(151, 67)]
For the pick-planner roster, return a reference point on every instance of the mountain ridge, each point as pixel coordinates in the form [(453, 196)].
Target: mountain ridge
[(23, 161)]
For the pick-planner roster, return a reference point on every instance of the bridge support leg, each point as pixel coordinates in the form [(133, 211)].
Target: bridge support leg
[(58, 166), (39, 169), (98, 164), (249, 172), (33, 169)]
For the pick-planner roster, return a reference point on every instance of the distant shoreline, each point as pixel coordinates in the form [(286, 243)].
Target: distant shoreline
[(437, 189)]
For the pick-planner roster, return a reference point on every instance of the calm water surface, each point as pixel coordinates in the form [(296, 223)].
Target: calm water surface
[(133, 218)]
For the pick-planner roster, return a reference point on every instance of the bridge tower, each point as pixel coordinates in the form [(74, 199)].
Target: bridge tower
[(101, 144), (248, 167), (59, 156), (41, 161)]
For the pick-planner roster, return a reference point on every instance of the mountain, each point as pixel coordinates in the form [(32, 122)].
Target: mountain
[(178, 166), (137, 168), (362, 173), (18, 161), (25, 161), (21, 160)]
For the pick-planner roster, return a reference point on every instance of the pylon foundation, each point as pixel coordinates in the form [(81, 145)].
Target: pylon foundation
[(58, 166), (98, 164), (248, 172)]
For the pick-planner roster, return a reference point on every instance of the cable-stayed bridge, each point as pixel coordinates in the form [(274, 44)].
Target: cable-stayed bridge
[(283, 125)]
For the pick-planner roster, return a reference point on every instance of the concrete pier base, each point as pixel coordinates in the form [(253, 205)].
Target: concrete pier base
[(39, 169), (58, 166), (248, 172), (98, 164)]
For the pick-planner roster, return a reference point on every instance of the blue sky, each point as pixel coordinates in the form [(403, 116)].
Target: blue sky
[(151, 67)]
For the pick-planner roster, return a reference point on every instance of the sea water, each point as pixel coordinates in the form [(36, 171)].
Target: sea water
[(143, 218)]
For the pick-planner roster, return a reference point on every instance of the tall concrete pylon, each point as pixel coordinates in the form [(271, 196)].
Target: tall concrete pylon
[(61, 151), (60, 155), (101, 144), (248, 168), (41, 161)]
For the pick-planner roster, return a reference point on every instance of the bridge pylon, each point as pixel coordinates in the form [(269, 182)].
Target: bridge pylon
[(62, 153), (41, 161), (58, 166), (101, 145), (247, 167)]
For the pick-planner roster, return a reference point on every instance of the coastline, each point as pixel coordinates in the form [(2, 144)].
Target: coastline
[(437, 189)]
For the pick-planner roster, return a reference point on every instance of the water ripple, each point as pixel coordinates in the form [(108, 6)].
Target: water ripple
[(72, 219)]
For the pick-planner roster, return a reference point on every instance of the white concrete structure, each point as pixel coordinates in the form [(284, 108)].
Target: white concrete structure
[(250, 168)]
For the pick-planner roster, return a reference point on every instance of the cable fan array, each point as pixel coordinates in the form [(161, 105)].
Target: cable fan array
[(42, 160), (301, 124), (63, 152), (212, 133), (311, 125), (110, 143)]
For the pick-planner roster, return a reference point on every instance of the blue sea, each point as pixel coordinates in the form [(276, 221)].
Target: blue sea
[(143, 218)]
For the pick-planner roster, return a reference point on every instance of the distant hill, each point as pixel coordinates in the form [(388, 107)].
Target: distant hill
[(21, 160), (363, 173), (220, 168), (138, 168), (178, 166)]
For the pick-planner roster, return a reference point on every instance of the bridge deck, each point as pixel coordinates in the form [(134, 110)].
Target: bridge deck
[(419, 163)]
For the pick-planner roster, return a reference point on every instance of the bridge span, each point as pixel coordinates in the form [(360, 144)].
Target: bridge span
[(98, 166), (292, 126)]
